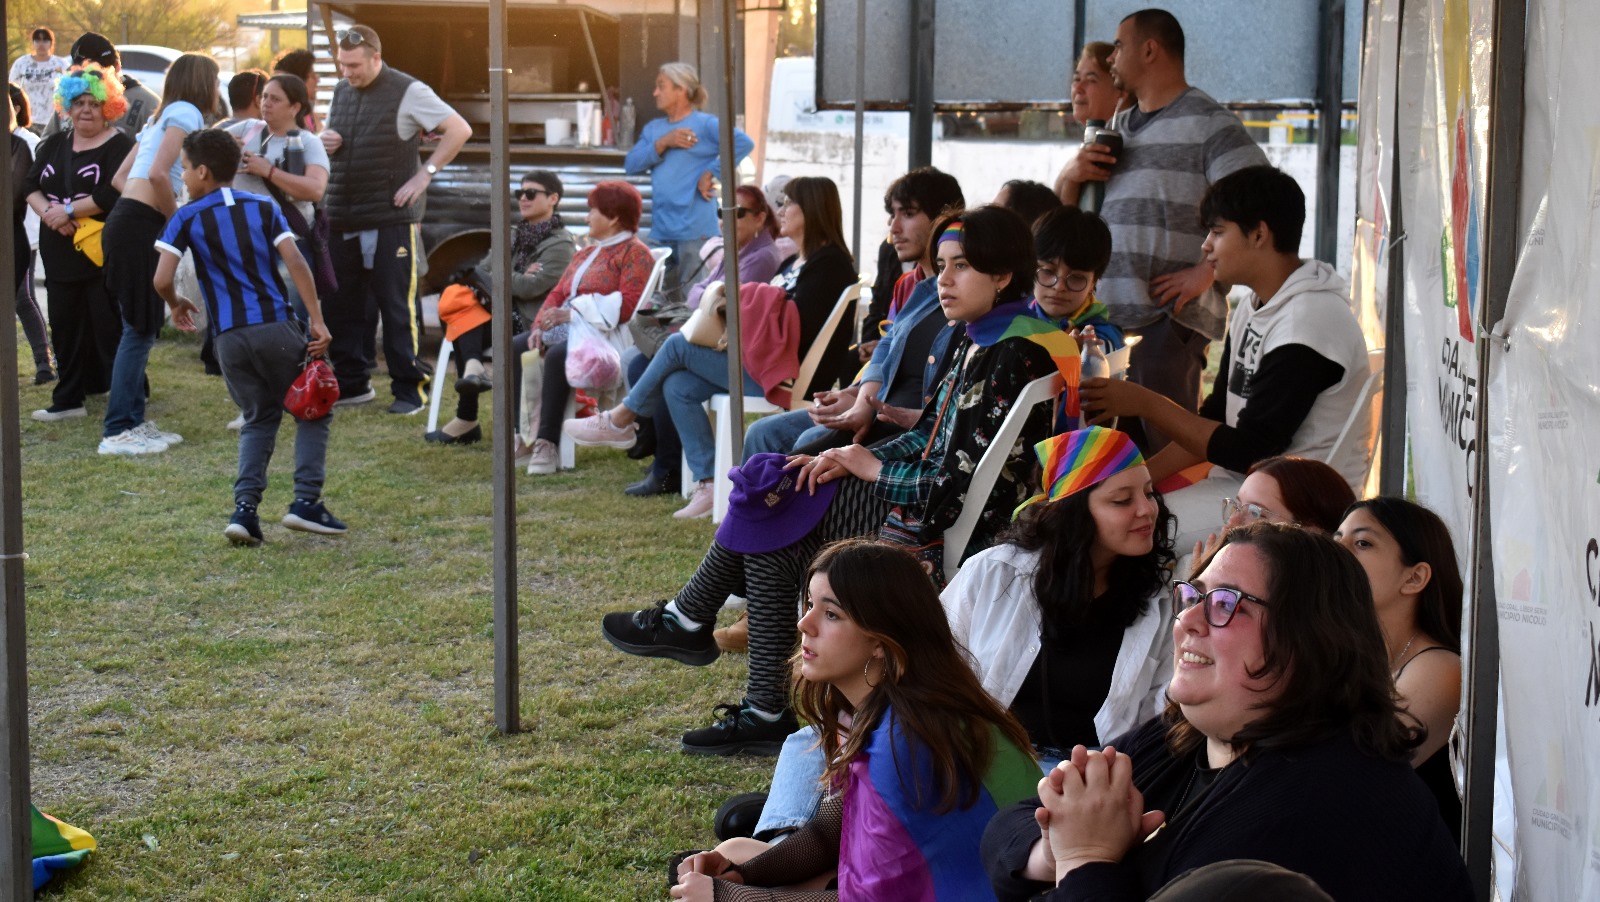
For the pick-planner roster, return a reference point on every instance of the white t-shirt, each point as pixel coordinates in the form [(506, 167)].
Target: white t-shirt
[(38, 81), (30, 220), (252, 130)]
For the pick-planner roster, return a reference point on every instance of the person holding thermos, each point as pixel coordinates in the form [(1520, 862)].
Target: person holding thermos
[(1096, 99)]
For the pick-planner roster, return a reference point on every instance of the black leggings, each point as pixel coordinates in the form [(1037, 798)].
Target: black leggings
[(553, 393), (773, 582)]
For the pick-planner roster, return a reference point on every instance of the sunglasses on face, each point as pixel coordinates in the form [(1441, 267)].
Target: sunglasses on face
[(1047, 277), (1252, 512), (530, 193), (1221, 603), (746, 211)]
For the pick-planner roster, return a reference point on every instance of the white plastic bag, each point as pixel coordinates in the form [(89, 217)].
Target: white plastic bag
[(592, 362)]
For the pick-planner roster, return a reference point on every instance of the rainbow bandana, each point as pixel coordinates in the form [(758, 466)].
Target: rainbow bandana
[(953, 232), (1014, 320), (1077, 460)]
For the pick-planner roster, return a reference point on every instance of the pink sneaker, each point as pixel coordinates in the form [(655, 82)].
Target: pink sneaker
[(599, 430), (699, 503)]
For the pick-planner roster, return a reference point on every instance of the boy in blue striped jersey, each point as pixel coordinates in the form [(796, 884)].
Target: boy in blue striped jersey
[(235, 237)]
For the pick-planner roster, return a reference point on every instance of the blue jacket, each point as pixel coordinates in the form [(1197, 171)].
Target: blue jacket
[(889, 354), (677, 211)]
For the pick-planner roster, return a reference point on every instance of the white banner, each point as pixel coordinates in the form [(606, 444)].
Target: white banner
[(1545, 434), (1443, 96), (1369, 272)]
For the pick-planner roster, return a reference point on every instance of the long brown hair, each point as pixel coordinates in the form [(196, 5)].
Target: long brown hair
[(1324, 653), (192, 77), (926, 678), (818, 198), (1424, 539)]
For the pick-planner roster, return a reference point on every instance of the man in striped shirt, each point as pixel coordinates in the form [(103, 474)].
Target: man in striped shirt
[(235, 238), (1177, 142)]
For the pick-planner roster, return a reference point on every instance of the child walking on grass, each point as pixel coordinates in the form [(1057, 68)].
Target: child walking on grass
[(260, 345)]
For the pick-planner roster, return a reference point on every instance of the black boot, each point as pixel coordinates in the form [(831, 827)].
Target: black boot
[(645, 446), (656, 484)]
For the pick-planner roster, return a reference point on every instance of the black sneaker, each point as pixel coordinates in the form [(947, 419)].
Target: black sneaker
[(405, 408), (244, 528), (739, 815), (740, 730), (651, 484), (308, 515), (651, 633)]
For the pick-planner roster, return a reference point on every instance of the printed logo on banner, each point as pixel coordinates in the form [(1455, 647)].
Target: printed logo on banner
[(1549, 808), (1515, 599)]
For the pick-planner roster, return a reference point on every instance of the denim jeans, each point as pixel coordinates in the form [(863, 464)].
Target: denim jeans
[(686, 376), (776, 434), (796, 783), (125, 406)]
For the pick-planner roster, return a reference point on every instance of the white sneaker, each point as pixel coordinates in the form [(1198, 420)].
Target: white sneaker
[(236, 423), (49, 415), (149, 430), (546, 458), (130, 442)]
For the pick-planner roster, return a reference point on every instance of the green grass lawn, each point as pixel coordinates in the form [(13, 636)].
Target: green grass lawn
[(313, 719)]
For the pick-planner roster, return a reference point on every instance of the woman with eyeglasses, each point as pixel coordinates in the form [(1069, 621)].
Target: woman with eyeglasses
[(1284, 489), (1416, 584), (1281, 742), (541, 249), (687, 375), (703, 375)]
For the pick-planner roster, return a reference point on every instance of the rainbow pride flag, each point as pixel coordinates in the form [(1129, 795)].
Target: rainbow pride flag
[(57, 847), (1016, 320), (894, 847)]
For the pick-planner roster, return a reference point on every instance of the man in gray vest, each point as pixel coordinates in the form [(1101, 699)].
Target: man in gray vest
[(375, 185)]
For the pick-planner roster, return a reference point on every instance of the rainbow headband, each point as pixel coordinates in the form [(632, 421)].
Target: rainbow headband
[(952, 232), (1074, 461)]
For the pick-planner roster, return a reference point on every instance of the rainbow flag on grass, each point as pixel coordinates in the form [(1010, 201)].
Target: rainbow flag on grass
[(57, 847), (894, 847), (1016, 320)]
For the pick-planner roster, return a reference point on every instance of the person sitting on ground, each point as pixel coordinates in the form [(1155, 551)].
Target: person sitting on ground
[(757, 231), (1293, 367), (1282, 741), (1027, 199), (1066, 621), (684, 375), (260, 344), (919, 755), (617, 262), (896, 380), (909, 489), (541, 250), (1416, 584)]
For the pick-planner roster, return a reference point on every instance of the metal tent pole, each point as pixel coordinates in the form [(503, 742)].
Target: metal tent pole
[(861, 118), (16, 822), (1500, 240), (1330, 82), (730, 241), (507, 670)]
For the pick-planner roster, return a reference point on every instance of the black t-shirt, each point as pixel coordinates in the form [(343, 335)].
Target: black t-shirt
[(1070, 679), (90, 177)]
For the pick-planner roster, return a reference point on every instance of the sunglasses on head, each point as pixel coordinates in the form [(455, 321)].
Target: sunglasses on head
[(351, 39), (1076, 281), (529, 193), (1221, 603)]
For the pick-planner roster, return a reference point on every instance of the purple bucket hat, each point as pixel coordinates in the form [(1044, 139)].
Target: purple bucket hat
[(765, 512)]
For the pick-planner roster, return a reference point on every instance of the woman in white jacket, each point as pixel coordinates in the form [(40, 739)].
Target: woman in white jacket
[(1066, 620)]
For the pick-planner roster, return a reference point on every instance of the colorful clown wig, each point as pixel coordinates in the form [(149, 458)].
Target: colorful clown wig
[(101, 84), (1075, 461)]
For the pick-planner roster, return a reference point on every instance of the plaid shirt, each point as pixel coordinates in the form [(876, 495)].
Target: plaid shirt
[(926, 469)]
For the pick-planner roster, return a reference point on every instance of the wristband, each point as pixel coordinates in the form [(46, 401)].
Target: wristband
[(270, 172)]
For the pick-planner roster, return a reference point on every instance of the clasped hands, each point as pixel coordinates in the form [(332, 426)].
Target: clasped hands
[(834, 463), (1090, 812), (696, 873)]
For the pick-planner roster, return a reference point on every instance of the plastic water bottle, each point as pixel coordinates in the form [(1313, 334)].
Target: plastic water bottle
[(294, 155), (626, 120), (1095, 364)]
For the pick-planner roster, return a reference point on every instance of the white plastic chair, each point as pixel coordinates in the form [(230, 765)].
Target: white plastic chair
[(720, 405), (1368, 404), (442, 365), (1045, 389)]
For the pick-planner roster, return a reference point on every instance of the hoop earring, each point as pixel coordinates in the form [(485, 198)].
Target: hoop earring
[(865, 668)]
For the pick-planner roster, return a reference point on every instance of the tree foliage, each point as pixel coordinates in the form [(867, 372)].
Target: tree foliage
[(197, 25)]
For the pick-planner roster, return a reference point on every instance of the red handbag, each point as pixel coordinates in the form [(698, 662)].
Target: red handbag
[(313, 392)]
